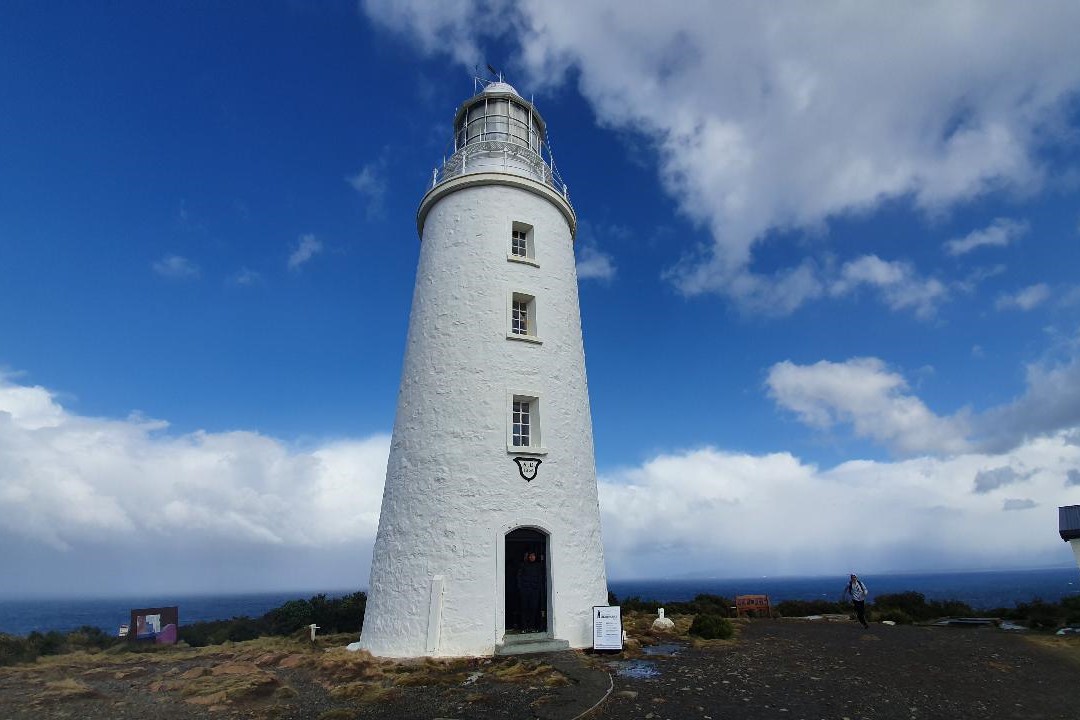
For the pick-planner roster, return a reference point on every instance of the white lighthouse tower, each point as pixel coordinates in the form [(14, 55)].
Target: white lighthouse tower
[(492, 453)]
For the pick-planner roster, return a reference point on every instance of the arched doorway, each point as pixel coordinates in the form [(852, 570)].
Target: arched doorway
[(526, 575)]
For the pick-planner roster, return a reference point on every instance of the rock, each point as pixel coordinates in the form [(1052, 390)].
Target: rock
[(628, 694), (663, 624)]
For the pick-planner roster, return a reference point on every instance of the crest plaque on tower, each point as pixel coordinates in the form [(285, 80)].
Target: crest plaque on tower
[(528, 466)]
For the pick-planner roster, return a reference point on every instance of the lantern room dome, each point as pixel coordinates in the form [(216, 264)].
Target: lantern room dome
[(497, 130), (500, 87)]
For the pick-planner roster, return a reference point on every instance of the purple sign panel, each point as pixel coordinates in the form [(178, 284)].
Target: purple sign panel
[(156, 625)]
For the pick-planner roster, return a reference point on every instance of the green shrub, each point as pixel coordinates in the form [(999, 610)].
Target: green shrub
[(14, 650), (712, 627), (91, 638), (1039, 615), (894, 614)]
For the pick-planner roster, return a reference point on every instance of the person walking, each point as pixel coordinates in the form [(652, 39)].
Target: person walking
[(858, 592)]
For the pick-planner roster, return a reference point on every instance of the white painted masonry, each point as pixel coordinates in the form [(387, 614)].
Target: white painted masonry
[(452, 489)]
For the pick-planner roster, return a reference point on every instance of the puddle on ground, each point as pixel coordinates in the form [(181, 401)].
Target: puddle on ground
[(635, 669), (664, 649)]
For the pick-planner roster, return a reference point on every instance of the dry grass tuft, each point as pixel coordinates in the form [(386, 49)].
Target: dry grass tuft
[(68, 689), (516, 670), (365, 692), (225, 683), (1065, 646)]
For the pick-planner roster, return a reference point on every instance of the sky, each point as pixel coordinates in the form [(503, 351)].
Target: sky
[(827, 257)]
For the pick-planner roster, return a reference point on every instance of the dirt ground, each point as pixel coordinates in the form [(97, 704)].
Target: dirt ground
[(773, 669), (798, 669)]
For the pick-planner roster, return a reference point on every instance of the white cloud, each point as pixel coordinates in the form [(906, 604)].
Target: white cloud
[(770, 118), (877, 404), (899, 285), (1050, 402), (94, 495), (307, 248), (592, 264), (1000, 233), (371, 185), (69, 481), (1027, 299), (176, 267), (710, 512), (874, 400), (247, 277), (1018, 504)]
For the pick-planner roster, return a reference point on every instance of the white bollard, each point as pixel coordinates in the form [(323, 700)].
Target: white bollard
[(313, 627)]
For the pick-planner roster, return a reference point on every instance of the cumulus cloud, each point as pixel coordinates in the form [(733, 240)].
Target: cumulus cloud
[(84, 496), (877, 403), (872, 399), (1027, 299), (592, 264), (68, 481), (307, 247), (710, 512), (770, 118), (999, 233), (176, 267), (1050, 402), (899, 285)]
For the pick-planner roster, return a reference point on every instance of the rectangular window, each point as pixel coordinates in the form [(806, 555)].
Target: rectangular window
[(519, 320), (522, 248), (519, 243), (522, 317), (522, 423)]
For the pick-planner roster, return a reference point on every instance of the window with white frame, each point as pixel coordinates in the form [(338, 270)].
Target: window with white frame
[(521, 242), (521, 423), (522, 315)]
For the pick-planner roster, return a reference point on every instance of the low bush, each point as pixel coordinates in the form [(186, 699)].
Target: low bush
[(895, 615), (712, 627)]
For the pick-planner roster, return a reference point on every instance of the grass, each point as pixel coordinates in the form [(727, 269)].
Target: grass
[(68, 689)]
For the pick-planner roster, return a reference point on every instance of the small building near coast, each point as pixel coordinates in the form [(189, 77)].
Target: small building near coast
[(1069, 527), (491, 475)]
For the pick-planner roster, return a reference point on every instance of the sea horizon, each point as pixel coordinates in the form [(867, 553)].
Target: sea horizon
[(981, 589)]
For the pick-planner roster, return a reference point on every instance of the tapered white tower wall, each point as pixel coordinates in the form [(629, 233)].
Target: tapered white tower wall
[(453, 489)]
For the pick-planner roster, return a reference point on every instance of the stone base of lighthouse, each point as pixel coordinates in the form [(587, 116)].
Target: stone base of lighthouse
[(466, 604)]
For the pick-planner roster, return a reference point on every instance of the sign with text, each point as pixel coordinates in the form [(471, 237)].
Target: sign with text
[(607, 627)]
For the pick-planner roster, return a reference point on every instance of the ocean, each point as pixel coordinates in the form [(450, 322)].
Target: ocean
[(989, 589)]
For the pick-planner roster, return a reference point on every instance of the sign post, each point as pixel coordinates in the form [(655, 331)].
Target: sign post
[(607, 627)]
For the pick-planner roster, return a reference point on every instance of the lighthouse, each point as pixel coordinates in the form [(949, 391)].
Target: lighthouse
[(489, 534)]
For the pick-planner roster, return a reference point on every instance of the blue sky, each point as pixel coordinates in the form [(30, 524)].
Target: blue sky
[(828, 275)]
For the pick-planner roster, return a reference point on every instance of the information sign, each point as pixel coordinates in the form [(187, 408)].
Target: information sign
[(607, 627)]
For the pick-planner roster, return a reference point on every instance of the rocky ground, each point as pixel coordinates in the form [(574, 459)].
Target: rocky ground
[(772, 669), (798, 669)]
